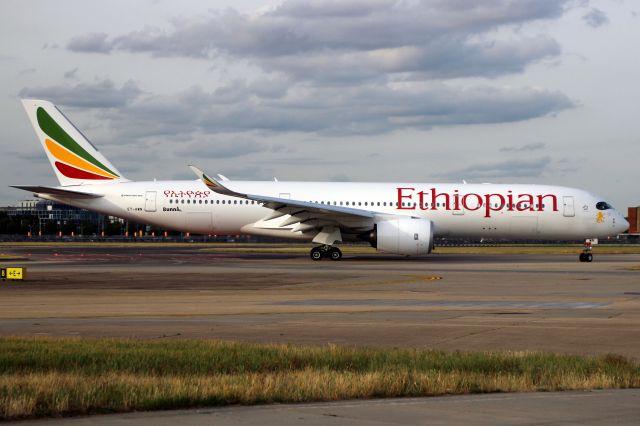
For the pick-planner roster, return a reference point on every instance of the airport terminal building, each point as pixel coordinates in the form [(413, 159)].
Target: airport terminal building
[(50, 217)]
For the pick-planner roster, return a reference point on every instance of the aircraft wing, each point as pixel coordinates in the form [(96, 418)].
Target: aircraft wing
[(57, 192), (323, 219)]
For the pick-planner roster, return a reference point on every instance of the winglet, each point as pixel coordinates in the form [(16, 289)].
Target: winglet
[(213, 183)]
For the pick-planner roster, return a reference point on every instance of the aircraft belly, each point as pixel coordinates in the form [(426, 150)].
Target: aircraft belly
[(232, 219), (524, 227), (199, 222), (510, 226)]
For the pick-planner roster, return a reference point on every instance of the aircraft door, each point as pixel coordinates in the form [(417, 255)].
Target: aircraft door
[(569, 210), (150, 201)]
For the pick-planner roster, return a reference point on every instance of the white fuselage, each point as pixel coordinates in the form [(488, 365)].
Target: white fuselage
[(456, 210)]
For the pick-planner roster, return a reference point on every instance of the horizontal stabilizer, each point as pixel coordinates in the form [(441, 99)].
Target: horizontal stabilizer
[(57, 192)]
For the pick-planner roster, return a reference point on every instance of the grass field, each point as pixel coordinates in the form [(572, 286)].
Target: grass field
[(58, 377)]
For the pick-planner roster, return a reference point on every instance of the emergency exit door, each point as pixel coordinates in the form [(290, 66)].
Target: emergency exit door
[(150, 201), (569, 210)]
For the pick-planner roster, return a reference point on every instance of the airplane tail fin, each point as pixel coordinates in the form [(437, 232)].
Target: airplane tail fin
[(73, 158)]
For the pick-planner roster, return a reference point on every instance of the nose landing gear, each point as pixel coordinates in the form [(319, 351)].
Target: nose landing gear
[(325, 251), (586, 255)]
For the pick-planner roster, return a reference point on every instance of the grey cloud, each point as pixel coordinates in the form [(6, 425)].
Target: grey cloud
[(354, 39), (32, 155), (343, 67), (524, 148), (515, 168), (101, 94), (443, 58), (90, 43), (236, 147), (340, 111), (7, 58), (303, 26), (235, 171), (340, 177), (27, 71), (596, 18), (71, 74)]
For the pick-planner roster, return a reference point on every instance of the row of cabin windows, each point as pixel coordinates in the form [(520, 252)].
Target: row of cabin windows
[(341, 203), (171, 201)]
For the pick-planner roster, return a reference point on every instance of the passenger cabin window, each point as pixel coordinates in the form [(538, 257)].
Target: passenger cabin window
[(602, 205)]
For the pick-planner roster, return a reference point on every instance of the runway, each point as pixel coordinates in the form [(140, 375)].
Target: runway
[(619, 407), (448, 302)]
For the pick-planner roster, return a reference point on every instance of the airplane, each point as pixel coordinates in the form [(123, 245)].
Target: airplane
[(398, 218)]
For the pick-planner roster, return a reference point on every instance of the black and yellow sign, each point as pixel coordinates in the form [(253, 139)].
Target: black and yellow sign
[(13, 273)]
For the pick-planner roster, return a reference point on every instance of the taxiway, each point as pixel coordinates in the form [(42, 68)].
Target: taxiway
[(449, 302)]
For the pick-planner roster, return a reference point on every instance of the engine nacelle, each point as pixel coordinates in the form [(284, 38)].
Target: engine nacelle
[(403, 235)]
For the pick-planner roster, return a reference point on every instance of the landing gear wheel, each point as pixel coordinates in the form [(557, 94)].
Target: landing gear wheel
[(316, 253), (335, 253), (586, 255)]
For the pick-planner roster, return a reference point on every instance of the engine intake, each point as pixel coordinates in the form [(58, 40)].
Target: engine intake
[(403, 235)]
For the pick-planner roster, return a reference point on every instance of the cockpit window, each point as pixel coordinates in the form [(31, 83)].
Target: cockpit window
[(603, 205)]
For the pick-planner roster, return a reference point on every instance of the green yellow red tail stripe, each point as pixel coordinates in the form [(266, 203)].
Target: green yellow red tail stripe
[(74, 161), (74, 173)]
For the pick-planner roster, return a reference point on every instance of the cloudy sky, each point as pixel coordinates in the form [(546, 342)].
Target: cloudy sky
[(522, 91)]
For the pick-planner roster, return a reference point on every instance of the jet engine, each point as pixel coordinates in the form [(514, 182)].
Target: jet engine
[(403, 235)]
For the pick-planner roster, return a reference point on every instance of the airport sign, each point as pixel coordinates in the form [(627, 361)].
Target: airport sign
[(13, 273)]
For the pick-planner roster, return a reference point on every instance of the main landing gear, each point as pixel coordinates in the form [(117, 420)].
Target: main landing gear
[(586, 255), (325, 251)]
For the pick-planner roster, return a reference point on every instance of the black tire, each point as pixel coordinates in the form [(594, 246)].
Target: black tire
[(588, 257), (581, 257), (316, 254), (335, 253)]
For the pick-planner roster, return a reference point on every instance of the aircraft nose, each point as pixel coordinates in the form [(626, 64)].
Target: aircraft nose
[(621, 224), (624, 225)]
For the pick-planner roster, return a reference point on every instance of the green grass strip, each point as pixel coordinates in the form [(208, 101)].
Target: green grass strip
[(64, 376)]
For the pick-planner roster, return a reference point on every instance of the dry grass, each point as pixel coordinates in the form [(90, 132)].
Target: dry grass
[(59, 377), (56, 394)]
